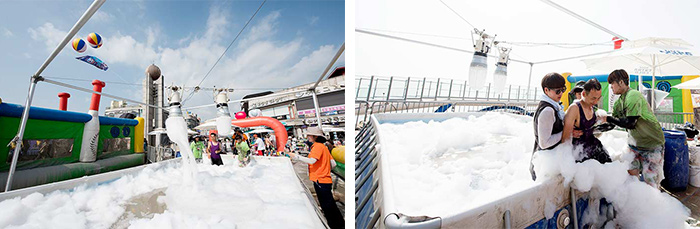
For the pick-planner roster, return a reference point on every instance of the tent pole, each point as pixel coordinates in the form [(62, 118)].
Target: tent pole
[(653, 82), (20, 134), (527, 94)]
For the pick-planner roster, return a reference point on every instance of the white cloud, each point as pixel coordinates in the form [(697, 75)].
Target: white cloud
[(26, 55), (7, 33), (102, 16), (258, 61), (313, 20), (47, 33)]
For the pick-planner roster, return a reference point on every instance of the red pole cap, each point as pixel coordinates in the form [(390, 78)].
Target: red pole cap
[(63, 101), (95, 102)]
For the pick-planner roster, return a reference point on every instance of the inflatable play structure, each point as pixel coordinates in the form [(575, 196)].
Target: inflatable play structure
[(60, 145)]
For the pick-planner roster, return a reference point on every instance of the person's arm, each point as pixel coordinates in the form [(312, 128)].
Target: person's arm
[(545, 123), (632, 112), (628, 122), (569, 120), (306, 160)]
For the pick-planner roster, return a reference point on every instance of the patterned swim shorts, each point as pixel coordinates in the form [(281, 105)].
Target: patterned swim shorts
[(650, 163)]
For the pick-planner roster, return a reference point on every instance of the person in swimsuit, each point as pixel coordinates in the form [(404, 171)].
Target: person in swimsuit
[(581, 116)]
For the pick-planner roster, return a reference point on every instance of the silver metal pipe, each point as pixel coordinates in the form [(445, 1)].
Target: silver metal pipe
[(317, 109), (241, 100), (335, 58), (20, 134), (506, 219), (567, 11), (573, 207), (428, 44), (99, 93), (527, 95), (83, 19)]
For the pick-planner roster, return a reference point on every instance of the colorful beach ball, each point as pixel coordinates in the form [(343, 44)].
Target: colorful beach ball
[(95, 40), (79, 45)]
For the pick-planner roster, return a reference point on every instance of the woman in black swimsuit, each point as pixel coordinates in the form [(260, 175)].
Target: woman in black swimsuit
[(581, 117)]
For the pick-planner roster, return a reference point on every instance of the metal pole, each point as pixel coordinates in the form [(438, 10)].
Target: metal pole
[(422, 86), (20, 133), (317, 109), (388, 93), (359, 85), (437, 89), (83, 19), (573, 206), (335, 58), (449, 94), (36, 77), (369, 89), (405, 93), (653, 82), (527, 97), (464, 89), (510, 87), (488, 92)]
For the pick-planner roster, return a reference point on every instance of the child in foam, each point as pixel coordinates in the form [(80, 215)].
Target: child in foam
[(243, 150), (214, 149), (320, 164), (197, 147), (646, 139)]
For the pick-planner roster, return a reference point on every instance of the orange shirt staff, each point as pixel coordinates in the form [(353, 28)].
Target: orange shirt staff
[(319, 161)]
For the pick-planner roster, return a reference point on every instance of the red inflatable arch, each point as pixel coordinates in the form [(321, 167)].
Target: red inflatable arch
[(277, 127)]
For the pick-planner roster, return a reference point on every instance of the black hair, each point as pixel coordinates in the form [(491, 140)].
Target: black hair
[(320, 139), (619, 75), (591, 84), (553, 81)]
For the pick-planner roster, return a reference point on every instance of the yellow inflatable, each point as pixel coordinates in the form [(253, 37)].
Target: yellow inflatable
[(339, 154)]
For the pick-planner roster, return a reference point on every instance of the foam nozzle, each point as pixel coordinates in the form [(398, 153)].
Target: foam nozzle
[(175, 107)]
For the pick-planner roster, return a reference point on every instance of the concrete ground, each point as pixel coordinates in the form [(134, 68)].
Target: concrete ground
[(302, 171), (691, 199)]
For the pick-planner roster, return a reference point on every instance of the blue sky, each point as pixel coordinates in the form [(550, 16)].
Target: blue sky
[(287, 44)]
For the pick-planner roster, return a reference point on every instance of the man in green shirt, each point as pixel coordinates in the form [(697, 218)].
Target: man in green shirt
[(646, 139), (197, 147)]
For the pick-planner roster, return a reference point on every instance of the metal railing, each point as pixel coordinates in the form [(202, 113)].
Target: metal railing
[(382, 88), (364, 109), (669, 120)]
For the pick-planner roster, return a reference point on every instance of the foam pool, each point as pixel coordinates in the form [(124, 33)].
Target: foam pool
[(266, 194)]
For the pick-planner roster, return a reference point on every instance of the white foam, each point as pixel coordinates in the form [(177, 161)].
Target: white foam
[(637, 205), (468, 161), (266, 195), (223, 126)]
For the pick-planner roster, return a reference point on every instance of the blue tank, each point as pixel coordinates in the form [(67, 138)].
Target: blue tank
[(676, 165)]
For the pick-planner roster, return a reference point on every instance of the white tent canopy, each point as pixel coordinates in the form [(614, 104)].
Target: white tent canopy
[(693, 84), (650, 56)]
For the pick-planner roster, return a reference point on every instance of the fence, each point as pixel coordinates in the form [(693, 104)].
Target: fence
[(364, 109), (376, 88), (670, 120)]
